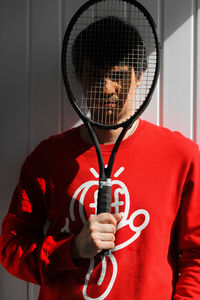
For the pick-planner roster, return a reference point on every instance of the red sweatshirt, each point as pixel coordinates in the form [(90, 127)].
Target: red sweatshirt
[(155, 185)]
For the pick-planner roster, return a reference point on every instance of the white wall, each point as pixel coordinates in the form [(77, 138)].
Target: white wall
[(32, 97)]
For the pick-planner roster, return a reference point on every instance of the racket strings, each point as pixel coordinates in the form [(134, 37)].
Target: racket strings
[(114, 61)]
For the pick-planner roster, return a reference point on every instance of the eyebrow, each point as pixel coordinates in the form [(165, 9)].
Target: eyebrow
[(115, 69), (119, 68)]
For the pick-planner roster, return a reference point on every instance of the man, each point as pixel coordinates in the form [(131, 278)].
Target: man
[(52, 236)]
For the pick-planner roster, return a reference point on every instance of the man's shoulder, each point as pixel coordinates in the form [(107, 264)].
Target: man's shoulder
[(58, 143), (67, 137), (169, 139), (70, 134)]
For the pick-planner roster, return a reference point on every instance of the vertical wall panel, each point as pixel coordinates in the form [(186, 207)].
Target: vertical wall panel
[(151, 113), (70, 118), (197, 108), (45, 74), (13, 117), (178, 51), (45, 69)]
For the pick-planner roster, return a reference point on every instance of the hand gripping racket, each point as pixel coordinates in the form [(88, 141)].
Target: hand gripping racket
[(110, 66)]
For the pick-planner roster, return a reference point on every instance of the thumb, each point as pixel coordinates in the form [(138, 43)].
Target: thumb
[(117, 217)]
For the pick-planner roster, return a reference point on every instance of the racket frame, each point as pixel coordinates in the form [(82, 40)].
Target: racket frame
[(132, 119), (105, 172)]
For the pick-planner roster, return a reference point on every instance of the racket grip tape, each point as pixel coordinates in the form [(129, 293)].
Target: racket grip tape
[(104, 197), (103, 203)]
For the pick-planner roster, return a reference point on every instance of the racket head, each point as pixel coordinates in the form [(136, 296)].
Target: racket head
[(124, 50)]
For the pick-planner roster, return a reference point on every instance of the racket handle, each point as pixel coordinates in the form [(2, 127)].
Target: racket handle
[(105, 252), (103, 203), (104, 196)]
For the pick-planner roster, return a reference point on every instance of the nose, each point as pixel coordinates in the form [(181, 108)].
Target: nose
[(110, 86)]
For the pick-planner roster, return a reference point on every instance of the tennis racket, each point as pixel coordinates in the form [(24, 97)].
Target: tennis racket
[(110, 66)]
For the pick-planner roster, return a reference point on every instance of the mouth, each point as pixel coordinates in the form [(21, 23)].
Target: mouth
[(110, 103), (104, 103)]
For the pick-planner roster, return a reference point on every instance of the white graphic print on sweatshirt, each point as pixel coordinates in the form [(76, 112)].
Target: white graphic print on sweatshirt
[(120, 189)]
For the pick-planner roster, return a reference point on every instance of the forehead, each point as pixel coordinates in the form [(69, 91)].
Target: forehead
[(117, 68)]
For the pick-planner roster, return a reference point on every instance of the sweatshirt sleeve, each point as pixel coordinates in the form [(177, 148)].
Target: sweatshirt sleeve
[(188, 283), (24, 249)]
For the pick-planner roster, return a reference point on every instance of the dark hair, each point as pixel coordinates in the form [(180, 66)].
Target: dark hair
[(98, 42)]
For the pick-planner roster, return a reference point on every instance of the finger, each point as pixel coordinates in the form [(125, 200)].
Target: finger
[(102, 236), (102, 241), (107, 228), (117, 217), (106, 218), (106, 237), (102, 245)]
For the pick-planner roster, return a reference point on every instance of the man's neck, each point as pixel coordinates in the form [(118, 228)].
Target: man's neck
[(107, 136)]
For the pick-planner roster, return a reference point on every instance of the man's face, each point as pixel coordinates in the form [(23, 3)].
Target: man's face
[(110, 93)]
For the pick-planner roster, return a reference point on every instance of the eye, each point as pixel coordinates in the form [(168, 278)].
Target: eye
[(118, 75), (90, 74), (95, 75)]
